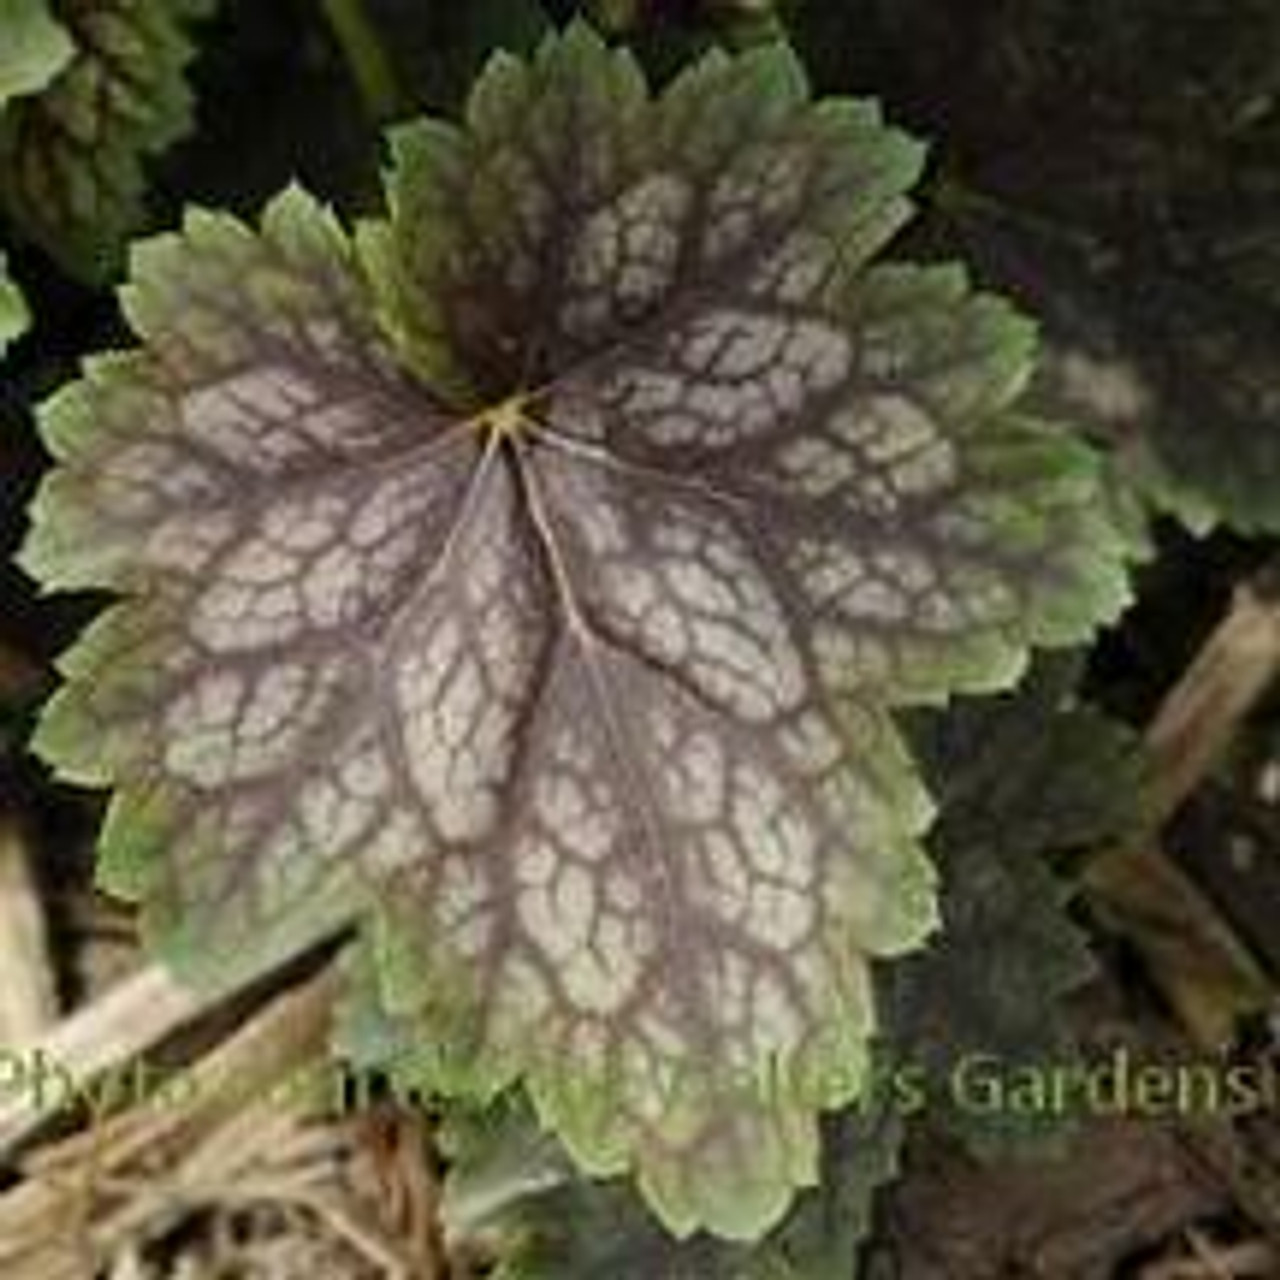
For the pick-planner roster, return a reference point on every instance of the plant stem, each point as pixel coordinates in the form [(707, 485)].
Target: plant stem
[(1234, 669), (362, 46), (1207, 973)]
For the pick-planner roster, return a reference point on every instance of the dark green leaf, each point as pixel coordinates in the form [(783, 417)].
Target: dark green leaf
[(512, 1198), (1020, 778), (1135, 165), (72, 156)]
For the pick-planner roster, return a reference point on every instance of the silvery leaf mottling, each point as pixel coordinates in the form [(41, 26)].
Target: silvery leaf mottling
[(542, 568)]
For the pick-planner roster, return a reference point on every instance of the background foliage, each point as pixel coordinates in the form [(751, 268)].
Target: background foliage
[(1114, 166)]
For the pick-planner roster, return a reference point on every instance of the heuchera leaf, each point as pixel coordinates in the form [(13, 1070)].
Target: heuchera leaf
[(550, 564), (14, 317), (72, 156), (35, 47), (1019, 778)]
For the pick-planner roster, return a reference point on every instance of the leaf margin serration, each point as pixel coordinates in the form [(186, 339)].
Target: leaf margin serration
[(1070, 480)]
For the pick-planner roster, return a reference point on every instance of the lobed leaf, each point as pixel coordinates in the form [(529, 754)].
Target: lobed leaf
[(1020, 778), (543, 570), (72, 157), (514, 1203)]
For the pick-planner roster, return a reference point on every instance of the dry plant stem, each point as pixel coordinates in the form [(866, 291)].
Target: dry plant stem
[(265, 1153), (109, 1034), (93, 1179), (113, 1031), (1237, 1157), (28, 999), (1208, 976), (288, 1033), (400, 1139), (1198, 719), (1251, 1261)]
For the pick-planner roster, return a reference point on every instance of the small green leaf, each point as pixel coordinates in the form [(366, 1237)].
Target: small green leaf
[(551, 564), (34, 48), (14, 316), (1019, 777), (72, 157), (513, 1198), (823, 1236)]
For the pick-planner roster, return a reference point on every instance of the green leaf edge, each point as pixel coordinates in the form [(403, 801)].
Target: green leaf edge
[(129, 849), (37, 48), (15, 316), (92, 251)]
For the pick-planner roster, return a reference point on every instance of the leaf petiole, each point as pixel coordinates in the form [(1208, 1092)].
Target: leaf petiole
[(366, 55)]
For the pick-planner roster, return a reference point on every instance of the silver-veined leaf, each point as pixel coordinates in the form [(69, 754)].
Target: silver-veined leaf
[(549, 566), (514, 1205)]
